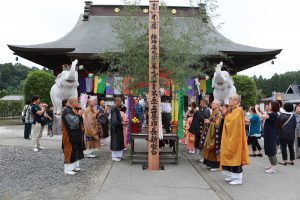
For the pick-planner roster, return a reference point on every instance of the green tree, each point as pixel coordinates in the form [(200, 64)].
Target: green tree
[(181, 44), (278, 82), (39, 83), (11, 77), (246, 87)]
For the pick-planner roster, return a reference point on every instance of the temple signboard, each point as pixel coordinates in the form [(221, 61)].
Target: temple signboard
[(153, 145)]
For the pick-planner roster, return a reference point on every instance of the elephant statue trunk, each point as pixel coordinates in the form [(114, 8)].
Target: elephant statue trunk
[(72, 72)]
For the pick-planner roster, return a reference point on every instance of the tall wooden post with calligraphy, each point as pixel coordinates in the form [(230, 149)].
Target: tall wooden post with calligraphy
[(153, 146)]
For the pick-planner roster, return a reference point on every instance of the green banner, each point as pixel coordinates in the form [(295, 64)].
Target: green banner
[(180, 113)]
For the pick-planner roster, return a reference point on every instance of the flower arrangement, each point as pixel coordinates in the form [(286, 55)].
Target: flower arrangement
[(135, 120), (135, 125)]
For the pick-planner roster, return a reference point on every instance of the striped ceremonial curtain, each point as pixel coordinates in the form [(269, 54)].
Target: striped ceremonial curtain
[(109, 85), (180, 113)]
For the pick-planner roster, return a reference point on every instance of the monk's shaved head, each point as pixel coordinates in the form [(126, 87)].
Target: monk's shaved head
[(217, 102), (73, 102), (102, 103), (236, 97)]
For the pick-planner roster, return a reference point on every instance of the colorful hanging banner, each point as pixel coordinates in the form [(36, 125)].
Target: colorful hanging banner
[(93, 85), (174, 104), (82, 85), (109, 86), (191, 88), (129, 111), (197, 83), (101, 85), (125, 85), (209, 88), (96, 79), (180, 113), (118, 85), (89, 84), (203, 85)]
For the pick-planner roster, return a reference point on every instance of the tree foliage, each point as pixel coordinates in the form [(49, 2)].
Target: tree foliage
[(39, 83), (278, 83), (180, 44), (246, 87), (11, 78)]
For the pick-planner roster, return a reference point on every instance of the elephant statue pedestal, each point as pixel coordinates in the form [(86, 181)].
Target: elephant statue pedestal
[(56, 127)]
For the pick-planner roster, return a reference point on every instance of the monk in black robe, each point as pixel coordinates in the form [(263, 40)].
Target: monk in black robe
[(72, 136), (116, 131)]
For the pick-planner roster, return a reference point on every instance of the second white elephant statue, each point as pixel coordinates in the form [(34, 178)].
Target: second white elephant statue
[(223, 85), (65, 86)]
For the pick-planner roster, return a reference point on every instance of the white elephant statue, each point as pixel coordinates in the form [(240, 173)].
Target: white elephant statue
[(65, 86), (223, 85)]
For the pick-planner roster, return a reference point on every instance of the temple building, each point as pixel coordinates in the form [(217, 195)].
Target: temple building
[(292, 95), (93, 33)]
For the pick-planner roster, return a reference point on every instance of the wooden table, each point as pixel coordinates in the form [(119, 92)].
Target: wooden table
[(164, 156)]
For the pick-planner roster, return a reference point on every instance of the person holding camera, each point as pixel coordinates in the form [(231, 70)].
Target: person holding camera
[(38, 110)]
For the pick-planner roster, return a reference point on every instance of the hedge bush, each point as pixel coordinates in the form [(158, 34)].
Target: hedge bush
[(10, 108), (39, 83)]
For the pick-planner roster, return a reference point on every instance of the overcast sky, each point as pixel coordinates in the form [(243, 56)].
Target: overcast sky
[(273, 24)]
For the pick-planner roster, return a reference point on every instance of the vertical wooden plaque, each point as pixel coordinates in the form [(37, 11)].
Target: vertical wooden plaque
[(153, 145)]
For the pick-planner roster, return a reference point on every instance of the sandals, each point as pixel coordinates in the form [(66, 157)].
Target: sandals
[(291, 163), (283, 163), (256, 155)]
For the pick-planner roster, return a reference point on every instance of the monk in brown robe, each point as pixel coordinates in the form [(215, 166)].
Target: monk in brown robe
[(210, 139), (72, 136), (234, 147), (91, 129)]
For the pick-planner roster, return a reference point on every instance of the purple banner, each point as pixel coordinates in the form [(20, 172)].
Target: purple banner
[(109, 85), (129, 102), (191, 87)]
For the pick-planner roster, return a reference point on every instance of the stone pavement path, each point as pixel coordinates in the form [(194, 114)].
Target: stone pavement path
[(125, 181)]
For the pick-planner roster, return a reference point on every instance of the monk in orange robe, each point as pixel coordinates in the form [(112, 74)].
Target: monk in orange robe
[(91, 129), (234, 147)]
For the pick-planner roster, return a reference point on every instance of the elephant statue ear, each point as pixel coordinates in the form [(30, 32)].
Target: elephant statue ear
[(230, 82)]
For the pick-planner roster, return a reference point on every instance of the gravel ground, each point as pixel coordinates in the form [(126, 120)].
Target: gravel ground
[(39, 175)]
